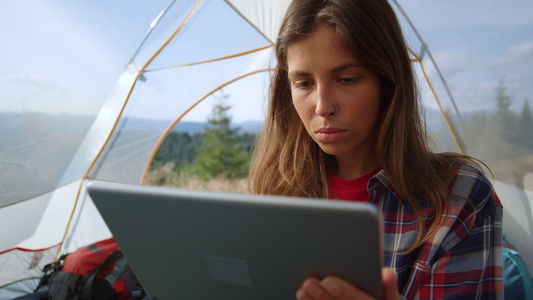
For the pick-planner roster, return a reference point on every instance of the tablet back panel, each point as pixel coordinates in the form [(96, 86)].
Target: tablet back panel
[(185, 244)]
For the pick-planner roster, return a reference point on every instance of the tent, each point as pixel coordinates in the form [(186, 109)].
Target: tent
[(90, 90)]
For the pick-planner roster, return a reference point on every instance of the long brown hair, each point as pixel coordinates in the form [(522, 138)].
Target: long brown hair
[(288, 162)]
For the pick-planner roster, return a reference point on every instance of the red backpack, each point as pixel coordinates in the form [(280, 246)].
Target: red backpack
[(97, 271)]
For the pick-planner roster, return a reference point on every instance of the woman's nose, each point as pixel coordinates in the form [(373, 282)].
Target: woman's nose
[(324, 102)]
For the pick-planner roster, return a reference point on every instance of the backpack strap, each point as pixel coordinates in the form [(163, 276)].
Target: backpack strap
[(89, 278), (50, 269), (120, 265), (135, 288)]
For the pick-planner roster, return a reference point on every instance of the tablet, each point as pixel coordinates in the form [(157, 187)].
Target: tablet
[(190, 244)]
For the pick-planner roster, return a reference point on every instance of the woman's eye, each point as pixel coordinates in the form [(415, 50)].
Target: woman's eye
[(348, 79), (302, 84)]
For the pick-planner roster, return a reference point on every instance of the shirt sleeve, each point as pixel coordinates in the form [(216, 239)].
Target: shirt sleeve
[(463, 259)]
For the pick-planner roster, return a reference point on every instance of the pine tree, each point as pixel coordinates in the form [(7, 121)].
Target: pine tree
[(504, 121), (525, 116), (525, 127), (220, 155)]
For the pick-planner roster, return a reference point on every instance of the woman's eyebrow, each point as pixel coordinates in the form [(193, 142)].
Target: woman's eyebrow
[(332, 71), (298, 73), (346, 66)]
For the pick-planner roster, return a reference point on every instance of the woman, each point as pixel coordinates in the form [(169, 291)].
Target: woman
[(344, 123)]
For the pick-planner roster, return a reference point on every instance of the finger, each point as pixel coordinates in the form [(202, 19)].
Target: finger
[(390, 284), (343, 290), (301, 295), (312, 290)]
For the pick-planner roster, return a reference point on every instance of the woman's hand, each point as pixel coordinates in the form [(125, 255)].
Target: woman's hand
[(334, 288)]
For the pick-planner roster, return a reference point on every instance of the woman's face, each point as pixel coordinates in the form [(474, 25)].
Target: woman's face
[(336, 97)]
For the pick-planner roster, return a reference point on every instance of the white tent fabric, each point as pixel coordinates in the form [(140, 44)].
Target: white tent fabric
[(114, 78), (265, 15)]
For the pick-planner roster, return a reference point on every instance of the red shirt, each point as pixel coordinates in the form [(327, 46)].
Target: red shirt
[(350, 190)]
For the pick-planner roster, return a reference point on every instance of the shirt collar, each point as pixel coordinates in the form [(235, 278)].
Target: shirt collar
[(381, 180)]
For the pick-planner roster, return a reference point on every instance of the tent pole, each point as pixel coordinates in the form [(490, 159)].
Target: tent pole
[(138, 75)]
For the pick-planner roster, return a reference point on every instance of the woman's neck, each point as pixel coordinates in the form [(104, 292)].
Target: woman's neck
[(349, 169)]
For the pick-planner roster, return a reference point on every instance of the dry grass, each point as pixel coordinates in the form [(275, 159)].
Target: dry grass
[(166, 176)]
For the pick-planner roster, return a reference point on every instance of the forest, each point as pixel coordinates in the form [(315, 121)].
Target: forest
[(501, 138), (216, 159)]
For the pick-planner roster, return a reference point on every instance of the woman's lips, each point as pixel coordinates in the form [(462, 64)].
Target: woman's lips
[(329, 134)]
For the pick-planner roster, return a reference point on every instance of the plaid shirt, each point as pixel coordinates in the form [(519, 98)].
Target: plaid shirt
[(462, 260)]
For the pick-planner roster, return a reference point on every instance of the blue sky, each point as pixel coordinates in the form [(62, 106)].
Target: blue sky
[(477, 45)]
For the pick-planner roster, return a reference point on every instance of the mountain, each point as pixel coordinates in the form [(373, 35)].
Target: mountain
[(190, 127)]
